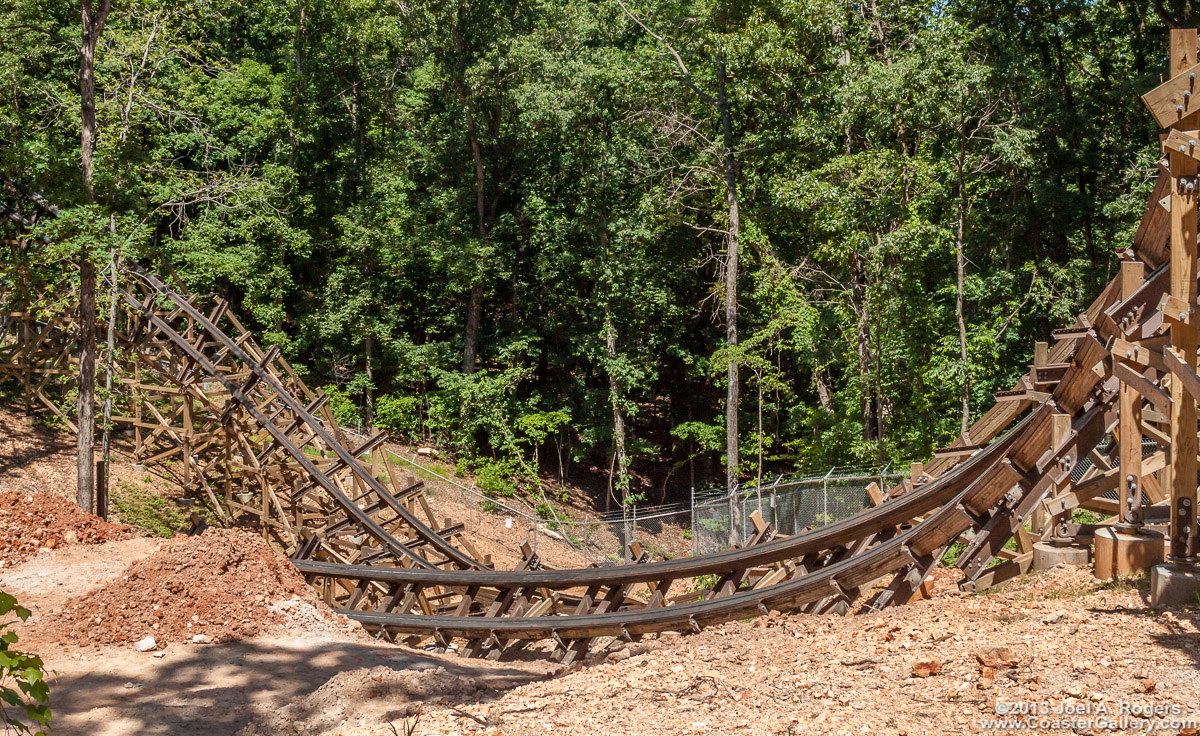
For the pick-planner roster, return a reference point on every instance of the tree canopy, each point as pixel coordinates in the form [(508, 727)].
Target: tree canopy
[(500, 226)]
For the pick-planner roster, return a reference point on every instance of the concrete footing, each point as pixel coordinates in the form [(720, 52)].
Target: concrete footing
[(1048, 554), (1174, 584), (1121, 553)]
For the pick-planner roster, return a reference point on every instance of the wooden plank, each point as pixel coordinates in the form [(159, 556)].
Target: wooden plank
[(1143, 386), (1174, 101), (1152, 240)]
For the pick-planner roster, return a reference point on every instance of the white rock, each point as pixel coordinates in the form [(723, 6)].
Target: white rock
[(201, 639), (145, 645), (159, 655)]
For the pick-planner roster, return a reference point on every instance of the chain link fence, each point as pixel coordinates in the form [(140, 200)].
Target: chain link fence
[(498, 526), (721, 520), (712, 521)]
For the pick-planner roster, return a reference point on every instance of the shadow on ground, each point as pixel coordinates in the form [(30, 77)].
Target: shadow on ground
[(27, 444), (218, 689)]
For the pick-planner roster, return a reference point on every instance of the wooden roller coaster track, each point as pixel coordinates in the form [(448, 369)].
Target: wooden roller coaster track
[(234, 425)]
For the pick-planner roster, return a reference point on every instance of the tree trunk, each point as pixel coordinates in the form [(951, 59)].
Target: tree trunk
[(370, 392), (110, 346), (760, 430), (92, 24), (614, 390), (862, 335), (85, 443), (475, 302), (471, 343), (731, 278), (298, 92), (959, 314)]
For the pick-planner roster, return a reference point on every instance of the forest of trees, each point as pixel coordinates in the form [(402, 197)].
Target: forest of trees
[(638, 244)]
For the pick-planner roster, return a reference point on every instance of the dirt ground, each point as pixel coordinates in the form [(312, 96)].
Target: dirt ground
[(1085, 657), (1075, 646), (325, 676), (1072, 643)]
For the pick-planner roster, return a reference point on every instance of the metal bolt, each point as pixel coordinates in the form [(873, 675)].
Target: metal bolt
[(1128, 353), (1179, 109)]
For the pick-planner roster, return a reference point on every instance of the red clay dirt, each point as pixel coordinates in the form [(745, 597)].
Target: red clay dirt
[(224, 584), (33, 521)]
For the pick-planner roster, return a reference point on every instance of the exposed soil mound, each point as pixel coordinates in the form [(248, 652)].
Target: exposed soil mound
[(222, 584), (33, 521)]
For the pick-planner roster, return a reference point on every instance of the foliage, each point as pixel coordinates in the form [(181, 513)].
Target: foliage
[(150, 512), (342, 406), (352, 175), (399, 415), (22, 677)]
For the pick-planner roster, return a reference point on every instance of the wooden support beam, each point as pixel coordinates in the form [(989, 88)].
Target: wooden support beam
[(1129, 432), (1172, 106)]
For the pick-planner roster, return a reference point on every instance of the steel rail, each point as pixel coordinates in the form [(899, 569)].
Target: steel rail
[(369, 525), (874, 563), (873, 520), (429, 535), (889, 556)]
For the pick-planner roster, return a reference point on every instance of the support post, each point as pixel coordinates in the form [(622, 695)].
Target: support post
[(1183, 336), (1133, 274), (102, 489), (1053, 548), (1179, 580)]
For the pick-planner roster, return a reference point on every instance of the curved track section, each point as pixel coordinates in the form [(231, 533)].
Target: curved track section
[(235, 426)]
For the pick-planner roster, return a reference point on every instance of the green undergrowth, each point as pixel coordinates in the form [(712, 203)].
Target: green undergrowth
[(154, 515)]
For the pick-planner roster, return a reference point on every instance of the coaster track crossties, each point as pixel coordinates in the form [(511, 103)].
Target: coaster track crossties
[(234, 425)]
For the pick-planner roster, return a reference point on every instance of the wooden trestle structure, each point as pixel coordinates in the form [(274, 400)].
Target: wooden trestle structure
[(234, 425)]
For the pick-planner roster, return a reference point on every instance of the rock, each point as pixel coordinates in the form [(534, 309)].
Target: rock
[(1074, 691), (926, 668), (1146, 685), (201, 639), (618, 656), (1054, 618), (987, 678), (998, 657), (427, 452), (145, 645), (159, 655)]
